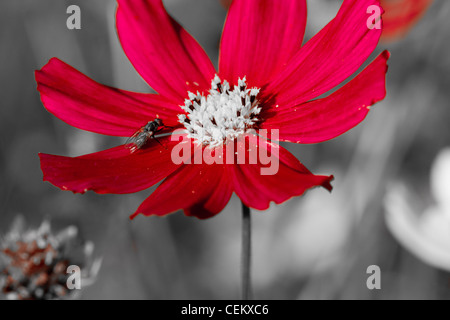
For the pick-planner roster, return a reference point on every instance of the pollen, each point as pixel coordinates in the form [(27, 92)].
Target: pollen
[(222, 115)]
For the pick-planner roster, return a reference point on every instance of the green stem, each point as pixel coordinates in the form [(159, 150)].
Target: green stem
[(246, 253)]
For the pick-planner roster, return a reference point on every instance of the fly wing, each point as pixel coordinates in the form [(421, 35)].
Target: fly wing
[(134, 142), (133, 138)]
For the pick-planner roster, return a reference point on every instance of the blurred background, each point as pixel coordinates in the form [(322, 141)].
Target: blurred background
[(318, 246)]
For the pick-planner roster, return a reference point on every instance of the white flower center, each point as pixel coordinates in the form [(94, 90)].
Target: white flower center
[(223, 115)]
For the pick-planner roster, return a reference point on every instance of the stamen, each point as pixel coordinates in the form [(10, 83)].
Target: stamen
[(223, 114)]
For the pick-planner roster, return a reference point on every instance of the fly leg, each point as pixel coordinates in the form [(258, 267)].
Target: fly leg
[(154, 137), (159, 142)]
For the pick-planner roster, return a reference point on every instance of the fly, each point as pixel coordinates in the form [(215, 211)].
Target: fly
[(140, 138)]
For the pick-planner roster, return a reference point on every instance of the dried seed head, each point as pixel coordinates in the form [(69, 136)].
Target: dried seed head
[(34, 262)]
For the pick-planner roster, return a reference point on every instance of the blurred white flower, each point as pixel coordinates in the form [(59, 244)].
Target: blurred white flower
[(34, 262), (440, 181), (425, 235)]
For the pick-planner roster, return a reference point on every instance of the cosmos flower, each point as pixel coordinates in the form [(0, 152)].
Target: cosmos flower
[(34, 262), (266, 80), (401, 15)]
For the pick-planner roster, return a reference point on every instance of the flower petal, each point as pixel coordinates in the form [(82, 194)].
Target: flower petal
[(291, 179), (218, 199), (327, 118), (329, 58), (164, 54), (201, 190), (83, 103), (260, 37), (115, 170)]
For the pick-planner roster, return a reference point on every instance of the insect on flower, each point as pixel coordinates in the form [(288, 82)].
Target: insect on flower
[(267, 79), (140, 138)]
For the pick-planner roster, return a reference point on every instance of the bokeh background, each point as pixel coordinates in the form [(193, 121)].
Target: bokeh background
[(314, 247)]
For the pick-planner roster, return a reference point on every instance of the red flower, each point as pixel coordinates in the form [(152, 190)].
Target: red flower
[(401, 15), (262, 41)]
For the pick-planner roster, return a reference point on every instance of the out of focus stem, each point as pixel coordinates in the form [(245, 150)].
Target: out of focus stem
[(246, 253)]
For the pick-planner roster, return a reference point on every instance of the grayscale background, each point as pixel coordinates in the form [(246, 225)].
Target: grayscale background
[(314, 247)]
